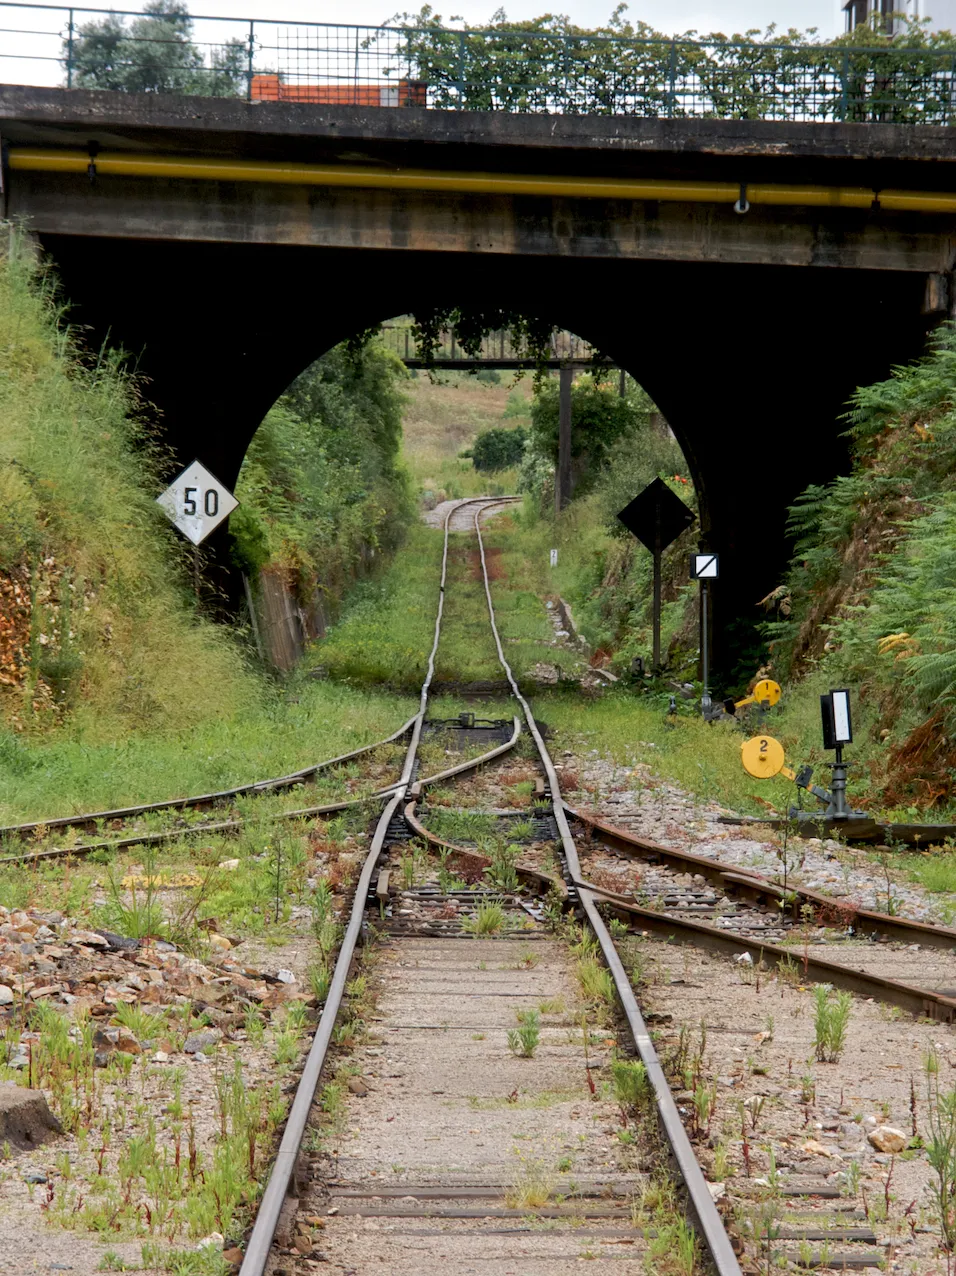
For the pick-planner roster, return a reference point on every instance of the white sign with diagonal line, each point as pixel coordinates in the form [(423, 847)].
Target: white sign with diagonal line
[(703, 566)]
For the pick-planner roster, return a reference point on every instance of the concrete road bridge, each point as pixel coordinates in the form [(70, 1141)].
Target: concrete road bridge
[(749, 274)]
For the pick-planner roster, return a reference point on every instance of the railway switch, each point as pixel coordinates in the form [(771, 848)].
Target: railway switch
[(763, 757)]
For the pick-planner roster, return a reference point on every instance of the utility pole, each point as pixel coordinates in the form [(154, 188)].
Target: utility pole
[(562, 474)]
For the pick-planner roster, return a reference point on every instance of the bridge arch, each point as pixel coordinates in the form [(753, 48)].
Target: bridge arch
[(751, 365)]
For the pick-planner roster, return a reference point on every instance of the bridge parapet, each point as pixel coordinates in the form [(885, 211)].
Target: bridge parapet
[(548, 68)]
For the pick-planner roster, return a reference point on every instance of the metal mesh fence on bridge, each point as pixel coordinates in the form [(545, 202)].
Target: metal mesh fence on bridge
[(537, 69)]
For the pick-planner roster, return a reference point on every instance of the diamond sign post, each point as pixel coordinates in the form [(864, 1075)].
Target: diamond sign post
[(196, 502), (656, 517)]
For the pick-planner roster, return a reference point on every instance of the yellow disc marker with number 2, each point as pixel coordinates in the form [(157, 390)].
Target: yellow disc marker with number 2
[(762, 757)]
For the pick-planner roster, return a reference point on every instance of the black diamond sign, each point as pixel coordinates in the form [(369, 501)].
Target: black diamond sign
[(657, 516)]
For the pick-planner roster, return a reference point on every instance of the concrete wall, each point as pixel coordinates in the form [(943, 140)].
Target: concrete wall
[(942, 13)]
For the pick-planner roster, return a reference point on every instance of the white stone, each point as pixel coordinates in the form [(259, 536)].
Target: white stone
[(6, 995), (886, 1138)]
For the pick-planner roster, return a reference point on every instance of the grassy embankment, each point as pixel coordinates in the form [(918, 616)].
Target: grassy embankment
[(622, 723), (112, 687)]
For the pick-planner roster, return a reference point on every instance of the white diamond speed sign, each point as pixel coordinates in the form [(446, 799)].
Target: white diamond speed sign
[(197, 502)]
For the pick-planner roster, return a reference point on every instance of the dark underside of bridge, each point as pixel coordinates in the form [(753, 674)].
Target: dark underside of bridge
[(751, 349)]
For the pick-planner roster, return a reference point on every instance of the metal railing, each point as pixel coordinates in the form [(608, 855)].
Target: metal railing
[(539, 69)]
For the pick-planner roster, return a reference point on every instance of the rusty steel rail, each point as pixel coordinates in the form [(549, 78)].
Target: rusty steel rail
[(92, 818), (256, 1257), (235, 826), (736, 880), (473, 763), (918, 1001), (173, 835), (710, 1224), (917, 836), (533, 877)]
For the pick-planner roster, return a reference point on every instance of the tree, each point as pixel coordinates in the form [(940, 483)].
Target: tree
[(498, 449), (322, 482), (600, 417), (155, 53)]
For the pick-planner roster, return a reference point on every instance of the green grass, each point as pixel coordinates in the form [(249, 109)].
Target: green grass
[(284, 730), (521, 581), (255, 898), (386, 632), (934, 871), (704, 760), (490, 918), (461, 826), (114, 641), (467, 650)]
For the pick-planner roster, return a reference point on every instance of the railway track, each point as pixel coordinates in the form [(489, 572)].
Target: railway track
[(720, 908), (127, 827), (427, 1154), (416, 1171), (419, 1179)]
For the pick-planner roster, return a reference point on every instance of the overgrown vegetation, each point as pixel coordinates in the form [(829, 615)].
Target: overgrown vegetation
[(888, 69), (831, 1019), (322, 490), (624, 68), (601, 417), (102, 650), (868, 599), (498, 449), (96, 620)]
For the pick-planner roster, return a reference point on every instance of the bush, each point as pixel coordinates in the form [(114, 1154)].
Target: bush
[(870, 586), (322, 487), (499, 449)]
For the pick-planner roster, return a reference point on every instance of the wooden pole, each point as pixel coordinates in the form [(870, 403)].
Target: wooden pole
[(253, 619), (562, 476)]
